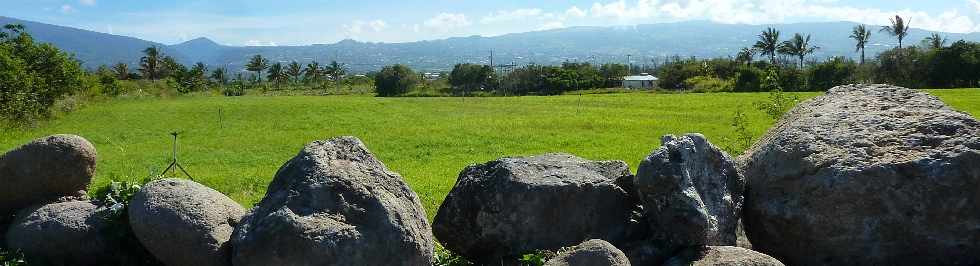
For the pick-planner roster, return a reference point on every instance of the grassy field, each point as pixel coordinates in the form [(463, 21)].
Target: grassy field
[(235, 145)]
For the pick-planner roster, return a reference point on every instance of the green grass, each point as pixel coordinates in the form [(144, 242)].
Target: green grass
[(427, 140)]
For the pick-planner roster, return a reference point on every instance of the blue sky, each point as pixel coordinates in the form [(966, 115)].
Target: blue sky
[(254, 22)]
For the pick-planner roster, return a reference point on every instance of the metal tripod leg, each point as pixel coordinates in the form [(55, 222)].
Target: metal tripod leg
[(185, 171)]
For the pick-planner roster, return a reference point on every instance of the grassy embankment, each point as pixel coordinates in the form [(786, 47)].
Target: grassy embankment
[(236, 144)]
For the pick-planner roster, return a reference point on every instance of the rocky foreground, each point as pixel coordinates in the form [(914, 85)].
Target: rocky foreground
[(864, 175)]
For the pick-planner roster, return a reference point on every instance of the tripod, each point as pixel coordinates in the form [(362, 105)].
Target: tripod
[(175, 163)]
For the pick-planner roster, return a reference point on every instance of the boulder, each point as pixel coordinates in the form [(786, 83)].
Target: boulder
[(691, 192), (594, 252), (182, 222), (45, 170), (335, 204), (504, 208), (867, 175), (66, 233), (647, 252), (721, 256)]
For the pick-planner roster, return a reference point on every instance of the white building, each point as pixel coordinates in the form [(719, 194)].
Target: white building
[(642, 81)]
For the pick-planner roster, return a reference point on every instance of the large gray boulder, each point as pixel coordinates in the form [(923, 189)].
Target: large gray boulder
[(595, 252), (66, 233), (691, 192), (45, 170), (335, 204), (182, 222), (504, 208), (721, 256), (867, 175)]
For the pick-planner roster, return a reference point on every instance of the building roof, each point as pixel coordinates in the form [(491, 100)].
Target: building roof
[(640, 78)]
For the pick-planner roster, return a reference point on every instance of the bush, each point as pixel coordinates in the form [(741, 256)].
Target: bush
[(834, 72), (395, 80), (709, 84), (748, 79), (32, 77)]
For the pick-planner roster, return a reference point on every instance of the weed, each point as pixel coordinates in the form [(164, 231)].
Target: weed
[(11, 258), (743, 138), (445, 257), (536, 258)]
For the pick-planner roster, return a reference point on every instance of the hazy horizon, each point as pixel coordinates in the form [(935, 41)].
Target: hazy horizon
[(258, 23)]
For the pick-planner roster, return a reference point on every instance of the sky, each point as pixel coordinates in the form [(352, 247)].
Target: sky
[(303, 22)]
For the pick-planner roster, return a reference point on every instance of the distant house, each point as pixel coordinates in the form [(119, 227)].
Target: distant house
[(431, 76), (642, 81)]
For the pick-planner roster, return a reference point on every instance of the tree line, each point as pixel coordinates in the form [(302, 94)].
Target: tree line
[(33, 76), (782, 63)]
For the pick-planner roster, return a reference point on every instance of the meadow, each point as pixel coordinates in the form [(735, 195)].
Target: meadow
[(236, 144)]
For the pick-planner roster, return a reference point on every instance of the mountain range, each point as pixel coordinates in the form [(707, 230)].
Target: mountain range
[(644, 44)]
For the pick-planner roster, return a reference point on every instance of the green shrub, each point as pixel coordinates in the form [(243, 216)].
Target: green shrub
[(833, 72), (395, 80), (32, 77), (709, 84), (748, 79), (536, 258), (444, 257)]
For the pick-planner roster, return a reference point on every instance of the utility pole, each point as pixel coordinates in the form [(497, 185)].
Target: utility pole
[(629, 64)]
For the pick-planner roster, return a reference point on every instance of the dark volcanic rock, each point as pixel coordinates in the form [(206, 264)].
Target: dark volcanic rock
[(45, 170), (67, 233), (335, 204), (184, 223), (594, 252), (691, 192), (867, 175), (721, 256), (504, 208)]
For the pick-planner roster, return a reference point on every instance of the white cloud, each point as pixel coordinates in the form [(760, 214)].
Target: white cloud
[(87, 2), (357, 27), (772, 11), (621, 11), (378, 25), (447, 22), (511, 15), (575, 12), (67, 9)]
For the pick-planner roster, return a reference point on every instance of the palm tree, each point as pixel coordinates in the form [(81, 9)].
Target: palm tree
[(746, 55), (861, 35), (220, 75), (312, 72), (150, 63), (276, 73), (798, 46), (899, 29), (258, 64), (337, 70), (121, 70), (935, 41), (294, 70), (169, 67), (768, 44)]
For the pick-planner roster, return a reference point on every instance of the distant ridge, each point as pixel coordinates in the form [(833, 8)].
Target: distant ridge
[(645, 43), (92, 48)]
